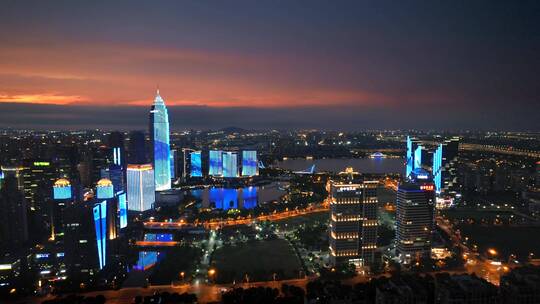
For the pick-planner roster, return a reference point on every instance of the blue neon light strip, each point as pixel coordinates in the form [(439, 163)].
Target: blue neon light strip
[(122, 206)]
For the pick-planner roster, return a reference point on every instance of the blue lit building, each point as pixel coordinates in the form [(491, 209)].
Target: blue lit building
[(159, 137), (196, 164), (100, 225), (230, 164), (249, 163), (216, 163), (140, 187)]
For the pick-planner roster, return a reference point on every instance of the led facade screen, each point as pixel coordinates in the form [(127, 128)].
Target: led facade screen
[(409, 163), (230, 164), (216, 163), (437, 168), (196, 165), (105, 192), (62, 193), (100, 224), (249, 163), (122, 210)]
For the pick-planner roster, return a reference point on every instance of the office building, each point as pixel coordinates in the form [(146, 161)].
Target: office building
[(353, 223), (140, 187), (81, 253), (137, 148), (414, 220), (249, 163), (13, 218), (116, 143), (159, 138)]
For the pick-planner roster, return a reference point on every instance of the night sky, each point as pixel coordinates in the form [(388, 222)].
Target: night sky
[(346, 65)]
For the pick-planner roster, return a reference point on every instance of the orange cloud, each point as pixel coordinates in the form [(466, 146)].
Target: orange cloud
[(46, 98)]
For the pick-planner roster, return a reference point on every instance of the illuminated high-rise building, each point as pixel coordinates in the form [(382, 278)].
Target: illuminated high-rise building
[(230, 164), (196, 164), (415, 219), (353, 223), (140, 187), (13, 215), (159, 137), (249, 163), (63, 196), (216, 163), (137, 148)]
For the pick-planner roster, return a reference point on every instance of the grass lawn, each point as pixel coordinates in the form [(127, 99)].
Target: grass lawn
[(258, 259), (506, 240), (176, 260)]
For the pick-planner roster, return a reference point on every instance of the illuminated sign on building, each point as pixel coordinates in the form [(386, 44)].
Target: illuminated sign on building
[(216, 163), (42, 164), (122, 210), (100, 224), (249, 163), (196, 166)]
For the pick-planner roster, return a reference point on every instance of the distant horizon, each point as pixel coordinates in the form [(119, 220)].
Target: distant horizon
[(336, 66), (326, 118)]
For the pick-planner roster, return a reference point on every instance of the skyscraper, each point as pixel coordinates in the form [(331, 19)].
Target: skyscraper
[(13, 215), (414, 220), (137, 148), (140, 187), (159, 137), (353, 223)]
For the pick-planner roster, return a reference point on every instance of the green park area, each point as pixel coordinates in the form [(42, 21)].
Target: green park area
[(256, 261)]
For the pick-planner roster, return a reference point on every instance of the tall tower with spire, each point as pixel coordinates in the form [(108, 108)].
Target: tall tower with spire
[(159, 137)]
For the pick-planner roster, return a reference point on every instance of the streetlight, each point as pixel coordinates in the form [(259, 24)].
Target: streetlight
[(182, 275), (492, 251)]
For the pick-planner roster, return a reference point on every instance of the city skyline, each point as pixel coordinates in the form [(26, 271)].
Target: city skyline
[(351, 66)]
